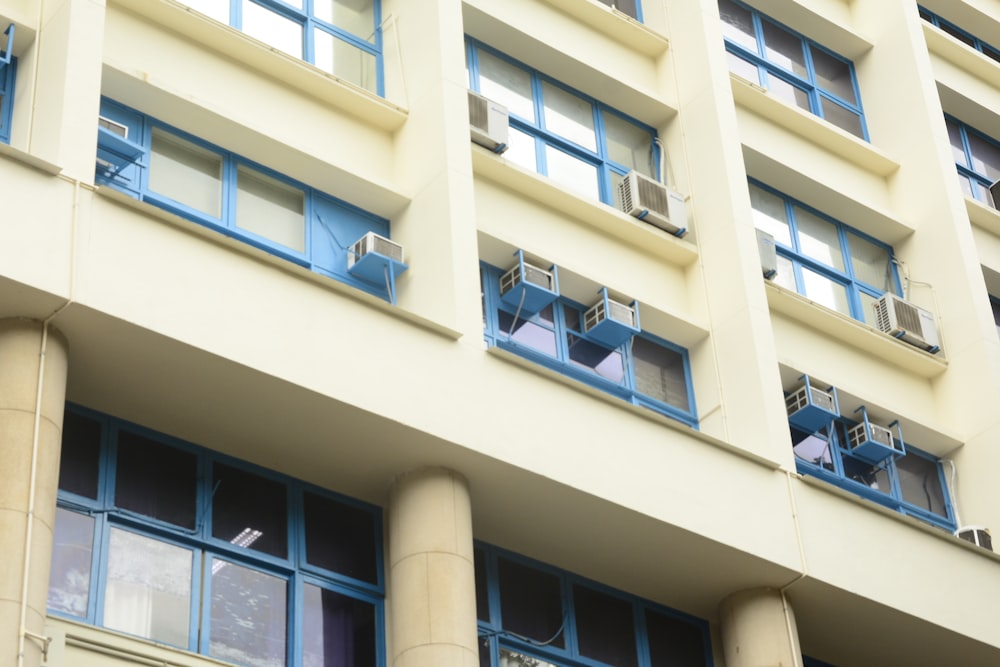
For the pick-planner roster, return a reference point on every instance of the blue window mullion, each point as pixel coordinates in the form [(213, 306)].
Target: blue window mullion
[(569, 617), (295, 620), (229, 190)]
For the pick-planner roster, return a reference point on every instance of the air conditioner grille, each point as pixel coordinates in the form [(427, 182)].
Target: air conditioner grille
[(978, 536), (479, 112), (537, 276), (881, 435), (593, 317), (653, 195), (372, 242), (821, 399)]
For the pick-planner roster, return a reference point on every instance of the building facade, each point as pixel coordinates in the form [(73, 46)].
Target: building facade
[(690, 358)]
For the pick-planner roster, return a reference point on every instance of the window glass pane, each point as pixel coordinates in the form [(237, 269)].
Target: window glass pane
[(868, 309), (605, 628), (597, 358), (833, 75), (788, 93), (510, 658), (148, 588), (355, 16), (783, 48), (337, 631), (80, 455), (958, 34), (249, 511), (72, 550), (624, 6), (659, 372), (272, 28), (995, 306), (770, 214), (521, 149), (842, 117), (216, 9), (572, 173), (743, 68), (186, 173), (482, 596), (344, 60), (247, 616), (980, 192), (270, 208), (156, 480), (674, 643), (569, 116), (824, 291), (629, 145), (737, 25), (957, 147), (340, 537), (963, 182), (527, 333), (874, 478), (813, 448), (786, 273), (871, 263), (504, 83), (530, 602), (818, 238), (920, 483), (985, 156)]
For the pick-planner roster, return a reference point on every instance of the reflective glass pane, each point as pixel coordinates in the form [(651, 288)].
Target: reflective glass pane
[(967, 188), (80, 455), (788, 93), (825, 292), (521, 149), (874, 478), (345, 60), (985, 156), (957, 147), (980, 192), (216, 9), (786, 274), (743, 68), (783, 48), (833, 75), (813, 448), (842, 117), (605, 628), (156, 480), (527, 333), (249, 511), (659, 372), (920, 483), (186, 173), (569, 116), (673, 642), (868, 309), (272, 28), (818, 238), (530, 602), (625, 6), (995, 306), (629, 145), (509, 658), (770, 214), (148, 588), (72, 550), (507, 84), (248, 616), (482, 586), (337, 631), (737, 25), (597, 358), (958, 34), (270, 208), (871, 263), (574, 174), (340, 537), (355, 16)]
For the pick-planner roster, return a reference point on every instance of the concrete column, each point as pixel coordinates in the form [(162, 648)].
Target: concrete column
[(432, 589), (20, 445), (758, 630)]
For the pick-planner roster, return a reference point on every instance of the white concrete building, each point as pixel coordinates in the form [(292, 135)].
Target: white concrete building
[(293, 373)]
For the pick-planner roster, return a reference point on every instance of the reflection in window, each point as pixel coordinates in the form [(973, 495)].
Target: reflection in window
[(247, 616), (339, 631), (72, 551), (977, 158)]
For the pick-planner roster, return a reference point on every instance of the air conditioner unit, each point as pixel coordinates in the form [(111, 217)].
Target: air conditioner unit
[(907, 322), (978, 535), (528, 287), (653, 202), (114, 149), (611, 322), (113, 127), (488, 122), (376, 259), (768, 254), (995, 193), (810, 409), (873, 443)]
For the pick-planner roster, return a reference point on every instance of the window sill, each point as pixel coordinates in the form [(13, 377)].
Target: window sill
[(12, 153), (985, 217), (103, 644), (854, 333), (964, 56), (811, 128), (641, 235), (260, 57), (616, 24)]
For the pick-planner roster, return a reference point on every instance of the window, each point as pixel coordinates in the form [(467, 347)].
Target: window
[(578, 142), (791, 67), (913, 484), (630, 7), (960, 34), (8, 63), (342, 37), (533, 615), (977, 158), (822, 259), (173, 543), (645, 370), (170, 169)]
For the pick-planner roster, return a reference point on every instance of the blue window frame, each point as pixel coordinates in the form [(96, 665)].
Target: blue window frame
[(913, 484), (211, 186), (342, 37), (533, 615), (959, 34), (977, 158), (582, 144), (173, 543), (792, 67), (644, 370), (823, 259), (8, 65)]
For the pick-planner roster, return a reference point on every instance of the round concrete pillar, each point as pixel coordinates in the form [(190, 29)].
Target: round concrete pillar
[(758, 630), (432, 588), (22, 448)]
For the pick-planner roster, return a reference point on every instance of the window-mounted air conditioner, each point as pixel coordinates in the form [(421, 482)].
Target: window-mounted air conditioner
[(527, 287), (113, 127), (768, 254), (611, 322), (978, 535), (377, 260), (653, 202), (810, 408), (488, 122), (873, 443), (907, 322)]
